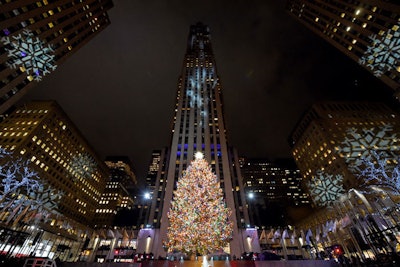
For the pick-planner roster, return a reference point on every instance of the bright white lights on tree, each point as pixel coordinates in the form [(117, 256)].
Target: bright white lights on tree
[(16, 175), (384, 52), (326, 188), (28, 52), (378, 170)]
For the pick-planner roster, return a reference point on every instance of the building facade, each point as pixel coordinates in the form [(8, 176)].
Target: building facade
[(367, 31), (272, 188), (151, 202), (118, 195), (198, 126), (71, 174), (331, 141), (36, 36), (348, 154)]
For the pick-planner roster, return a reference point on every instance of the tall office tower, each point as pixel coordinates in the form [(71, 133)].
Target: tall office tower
[(367, 31), (198, 126), (118, 196), (273, 189), (42, 133), (151, 199), (331, 141), (36, 36), (122, 171)]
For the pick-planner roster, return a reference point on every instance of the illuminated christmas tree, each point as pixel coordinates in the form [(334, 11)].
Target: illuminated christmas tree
[(198, 218)]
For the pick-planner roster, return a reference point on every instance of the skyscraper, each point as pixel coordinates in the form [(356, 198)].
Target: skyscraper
[(367, 31), (72, 175), (118, 195), (273, 189), (42, 133), (198, 126), (348, 154), (36, 36)]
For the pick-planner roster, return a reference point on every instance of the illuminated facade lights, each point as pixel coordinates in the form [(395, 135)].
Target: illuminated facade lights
[(119, 191), (37, 36), (366, 31), (333, 138), (41, 132), (198, 126)]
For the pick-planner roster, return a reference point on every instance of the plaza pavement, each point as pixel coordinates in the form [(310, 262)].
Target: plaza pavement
[(239, 263)]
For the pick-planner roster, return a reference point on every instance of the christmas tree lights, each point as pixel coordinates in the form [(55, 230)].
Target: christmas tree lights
[(198, 218)]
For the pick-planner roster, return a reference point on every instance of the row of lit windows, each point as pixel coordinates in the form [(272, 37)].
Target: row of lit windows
[(106, 211), (81, 202), (31, 111)]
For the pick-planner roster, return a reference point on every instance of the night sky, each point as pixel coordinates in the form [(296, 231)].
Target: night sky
[(120, 88)]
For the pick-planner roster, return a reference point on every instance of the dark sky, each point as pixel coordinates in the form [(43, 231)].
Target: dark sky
[(120, 88)]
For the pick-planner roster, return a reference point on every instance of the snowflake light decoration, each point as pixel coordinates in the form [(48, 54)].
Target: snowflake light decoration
[(358, 144), (27, 51), (326, 188), (83, 165), (384, 52)]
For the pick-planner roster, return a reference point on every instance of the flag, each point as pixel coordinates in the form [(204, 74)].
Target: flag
[(110, 234), (303, 237), (14, 212), (285, 234), (277, 233), (318, 234), (117, 235), (270, 234), (293, 237), (263, 236), (345, 221), (102, 234), (125, 238), (334, 226), (325, 229), (19, 217), (3, 212), (308, 237)]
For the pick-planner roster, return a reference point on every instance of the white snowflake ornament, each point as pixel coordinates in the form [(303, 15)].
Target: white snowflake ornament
[(384, 52), (30, 53), (326, 188)]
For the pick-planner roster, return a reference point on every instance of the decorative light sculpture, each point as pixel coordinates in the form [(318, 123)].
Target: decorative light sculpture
[(28, 53)]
